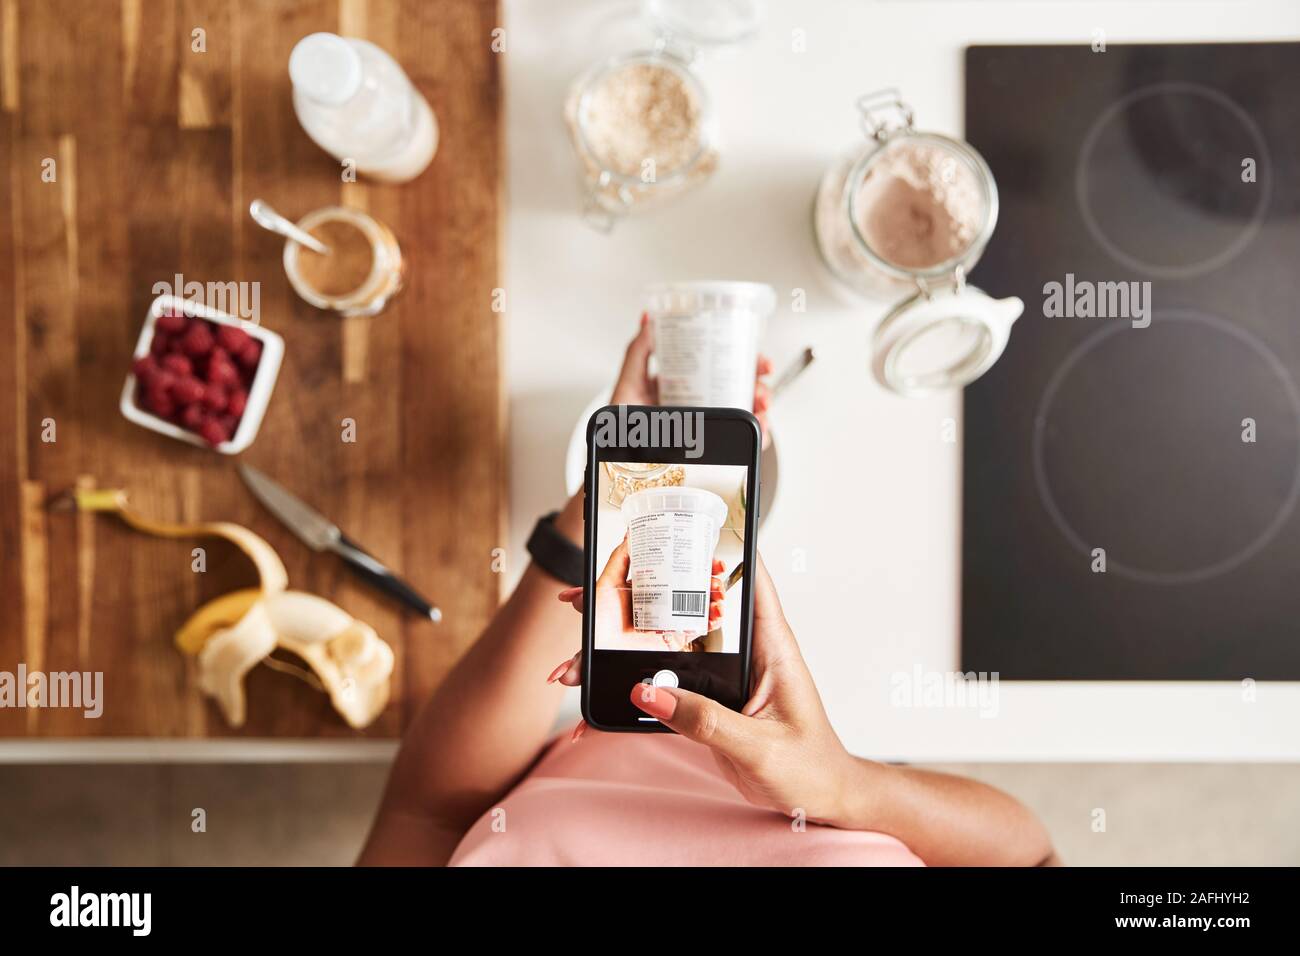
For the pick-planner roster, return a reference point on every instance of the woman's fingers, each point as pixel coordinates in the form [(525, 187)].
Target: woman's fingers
[(762, 403), (572, 596), (634, 386), (569, 673), (762, 393), (559, 670), (572, 676), (701, 719)]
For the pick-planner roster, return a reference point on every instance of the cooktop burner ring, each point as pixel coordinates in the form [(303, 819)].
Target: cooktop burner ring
[(1067, 530), (1245, 235)]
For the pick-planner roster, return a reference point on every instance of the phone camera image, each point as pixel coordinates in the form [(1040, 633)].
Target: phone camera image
[(670, 539), (663, 586)]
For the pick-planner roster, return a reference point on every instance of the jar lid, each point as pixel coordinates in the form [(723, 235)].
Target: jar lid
[(937, 341), (710, 295), (705, 23)]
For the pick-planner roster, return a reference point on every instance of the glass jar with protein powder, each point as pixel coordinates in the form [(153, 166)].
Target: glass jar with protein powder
[(909, 213), (641, 122)]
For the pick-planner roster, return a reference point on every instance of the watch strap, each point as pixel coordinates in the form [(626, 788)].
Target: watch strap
[(554, 553)]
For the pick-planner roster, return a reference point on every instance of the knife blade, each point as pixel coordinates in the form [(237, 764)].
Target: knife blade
[(321, 534)]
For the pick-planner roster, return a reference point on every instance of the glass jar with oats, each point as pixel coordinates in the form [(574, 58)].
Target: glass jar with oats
[(641, 123)]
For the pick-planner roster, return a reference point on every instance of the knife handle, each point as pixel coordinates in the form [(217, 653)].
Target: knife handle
[(375, 572)]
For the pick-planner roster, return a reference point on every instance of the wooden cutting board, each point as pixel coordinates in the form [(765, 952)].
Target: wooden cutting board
[(159, 136)]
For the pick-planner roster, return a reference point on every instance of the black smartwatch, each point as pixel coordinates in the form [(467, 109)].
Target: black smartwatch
[(554, 553)]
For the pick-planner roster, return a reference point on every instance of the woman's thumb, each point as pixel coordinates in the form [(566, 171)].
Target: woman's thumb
[(698, 718)]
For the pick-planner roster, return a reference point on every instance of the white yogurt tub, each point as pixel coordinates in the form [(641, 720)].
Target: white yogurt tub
[(706, 340), (672, 535)]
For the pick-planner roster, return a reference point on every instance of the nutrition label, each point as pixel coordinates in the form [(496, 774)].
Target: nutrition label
[(671, 570), (706, 359)]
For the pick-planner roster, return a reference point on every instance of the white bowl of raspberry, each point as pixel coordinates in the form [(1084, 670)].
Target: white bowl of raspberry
[(201, 376)]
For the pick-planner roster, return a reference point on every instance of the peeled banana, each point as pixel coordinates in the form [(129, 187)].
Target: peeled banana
[(233, 633)]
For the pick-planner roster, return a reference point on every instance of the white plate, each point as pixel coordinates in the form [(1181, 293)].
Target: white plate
[(575, 460)]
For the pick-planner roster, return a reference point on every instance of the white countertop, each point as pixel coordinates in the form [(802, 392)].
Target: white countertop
[(869, 499)]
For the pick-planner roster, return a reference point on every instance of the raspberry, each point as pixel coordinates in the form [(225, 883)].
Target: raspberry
[(159, 402), (237, 402), (214, 397), (193, 417), (177, 363), (221, 370), (213, 432), (197, 340), (232, 339), (160, 345), (145, 368), (171, 322), (187, 390), (251, 353)]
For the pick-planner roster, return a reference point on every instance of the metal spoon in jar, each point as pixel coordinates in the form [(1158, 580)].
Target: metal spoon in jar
[(272, 221)]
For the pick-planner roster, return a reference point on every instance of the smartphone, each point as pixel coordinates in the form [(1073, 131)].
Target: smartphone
[(671, 516)]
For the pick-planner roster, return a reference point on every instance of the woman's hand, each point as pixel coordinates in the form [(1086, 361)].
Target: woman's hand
[(636, 386), (613, 609), (780, 750)]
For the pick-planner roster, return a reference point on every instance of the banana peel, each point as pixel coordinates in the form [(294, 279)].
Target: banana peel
[(217, 615), (270, 569), (233, 633)]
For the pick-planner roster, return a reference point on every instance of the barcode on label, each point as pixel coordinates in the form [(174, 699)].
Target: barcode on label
[(690, 603)]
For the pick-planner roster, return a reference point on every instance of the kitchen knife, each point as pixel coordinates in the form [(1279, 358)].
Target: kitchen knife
[(320, 534)]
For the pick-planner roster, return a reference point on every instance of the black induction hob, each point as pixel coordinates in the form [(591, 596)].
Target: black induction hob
[(1170, 452)]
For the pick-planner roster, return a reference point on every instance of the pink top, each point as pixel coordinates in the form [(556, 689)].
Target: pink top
[(651, 800)]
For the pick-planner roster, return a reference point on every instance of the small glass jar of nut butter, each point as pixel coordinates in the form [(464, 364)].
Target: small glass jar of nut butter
[(360, 273)]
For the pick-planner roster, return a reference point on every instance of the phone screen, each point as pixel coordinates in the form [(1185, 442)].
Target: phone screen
[(670, 545)]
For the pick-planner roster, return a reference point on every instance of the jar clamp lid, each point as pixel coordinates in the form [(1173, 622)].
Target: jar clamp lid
[(942, 340)]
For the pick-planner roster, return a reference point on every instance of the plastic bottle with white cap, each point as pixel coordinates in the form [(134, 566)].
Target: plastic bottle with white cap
[(357, 104)]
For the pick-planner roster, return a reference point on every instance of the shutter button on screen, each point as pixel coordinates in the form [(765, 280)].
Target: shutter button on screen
[(664, 678)]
